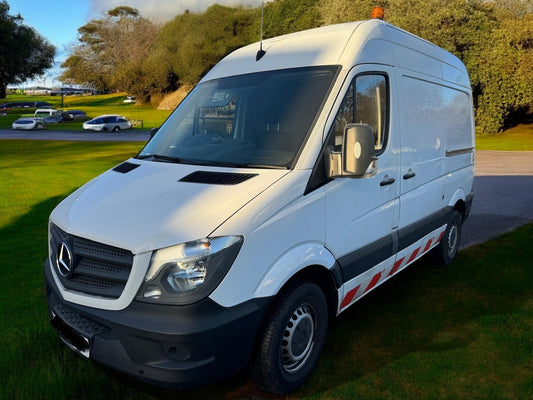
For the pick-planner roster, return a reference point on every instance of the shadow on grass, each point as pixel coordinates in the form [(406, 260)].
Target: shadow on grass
[(425, 309)]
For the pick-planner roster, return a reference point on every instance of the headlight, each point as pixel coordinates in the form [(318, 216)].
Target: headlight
[(188, 272)]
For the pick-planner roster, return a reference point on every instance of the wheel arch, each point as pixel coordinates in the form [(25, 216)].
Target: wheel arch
[(458, 202), (305, 262), (328, 280)]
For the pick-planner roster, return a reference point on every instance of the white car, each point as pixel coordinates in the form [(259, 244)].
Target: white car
[(28, 124), (107, 123)]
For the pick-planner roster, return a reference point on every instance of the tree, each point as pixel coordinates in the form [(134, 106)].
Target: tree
[(192, 44), (111, 53), (494, 39), (24, 54), (338, 11), (287, 16)]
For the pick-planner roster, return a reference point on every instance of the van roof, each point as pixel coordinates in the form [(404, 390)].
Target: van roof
[(348, 44)]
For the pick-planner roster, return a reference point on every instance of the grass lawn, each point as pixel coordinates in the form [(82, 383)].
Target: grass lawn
[(458, 332), (93, 106), (517, 138)]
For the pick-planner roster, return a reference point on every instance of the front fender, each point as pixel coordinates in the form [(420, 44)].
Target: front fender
[(292, 262)]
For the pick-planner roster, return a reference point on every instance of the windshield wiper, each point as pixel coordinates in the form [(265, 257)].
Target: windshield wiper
[(159, 157), (232, 164), (266, 166)]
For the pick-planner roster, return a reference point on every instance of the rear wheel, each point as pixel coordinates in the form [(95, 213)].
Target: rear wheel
[(448, 247), (116, 129), (291, 339)]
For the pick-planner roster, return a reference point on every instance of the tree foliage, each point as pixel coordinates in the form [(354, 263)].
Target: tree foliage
[(503, 75), (494, 38), (112, 51), (192, 44), (24, 54)]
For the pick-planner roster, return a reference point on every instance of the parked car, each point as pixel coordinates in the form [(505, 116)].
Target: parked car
[(49, 115), (107, 123), (70, 115), (28, 123), (130, 100)]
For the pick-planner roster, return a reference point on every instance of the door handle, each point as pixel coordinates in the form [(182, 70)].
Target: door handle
[(410, 174), (386, 181)]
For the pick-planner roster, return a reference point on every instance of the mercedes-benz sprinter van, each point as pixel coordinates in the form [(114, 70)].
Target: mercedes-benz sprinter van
[(293, 180)]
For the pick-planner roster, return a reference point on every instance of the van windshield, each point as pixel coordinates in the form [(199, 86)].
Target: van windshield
[(252, 120)]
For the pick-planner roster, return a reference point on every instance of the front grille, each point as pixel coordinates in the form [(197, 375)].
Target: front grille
[(97, 269)]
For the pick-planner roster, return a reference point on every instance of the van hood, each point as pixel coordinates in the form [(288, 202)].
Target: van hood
[(146, 205)]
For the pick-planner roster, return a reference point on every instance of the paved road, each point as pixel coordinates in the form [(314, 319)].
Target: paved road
[(503, 186), (503, 195), (122, 136)]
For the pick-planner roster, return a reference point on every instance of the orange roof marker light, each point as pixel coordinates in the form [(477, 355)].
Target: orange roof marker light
[(377, 13)]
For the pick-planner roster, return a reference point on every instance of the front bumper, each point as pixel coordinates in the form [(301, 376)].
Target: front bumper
[(176, 346)]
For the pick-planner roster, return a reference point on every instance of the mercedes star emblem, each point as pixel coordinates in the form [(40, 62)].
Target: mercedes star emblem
[(64, 260)]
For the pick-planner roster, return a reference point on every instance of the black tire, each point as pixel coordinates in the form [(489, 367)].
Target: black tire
[(291, 339), (448, 247), (104, 129), (116, 129)]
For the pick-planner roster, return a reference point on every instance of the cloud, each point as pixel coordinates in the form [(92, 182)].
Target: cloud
[(164, 10)]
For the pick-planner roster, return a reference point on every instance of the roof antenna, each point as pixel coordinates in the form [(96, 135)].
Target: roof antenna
[(261, 52)]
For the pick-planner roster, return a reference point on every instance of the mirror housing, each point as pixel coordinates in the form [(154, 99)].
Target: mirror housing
[(153, 131), (356, 156)]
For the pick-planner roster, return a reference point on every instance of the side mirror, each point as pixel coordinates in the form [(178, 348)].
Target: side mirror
[(357, 153), (153, 131)]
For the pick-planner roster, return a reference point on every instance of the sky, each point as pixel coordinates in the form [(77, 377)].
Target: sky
[(59, 20)]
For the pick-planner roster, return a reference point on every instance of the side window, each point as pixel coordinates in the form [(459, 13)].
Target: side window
[(366, 101)]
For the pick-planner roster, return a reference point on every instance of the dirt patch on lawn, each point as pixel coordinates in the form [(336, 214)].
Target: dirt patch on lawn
[(171, 101)]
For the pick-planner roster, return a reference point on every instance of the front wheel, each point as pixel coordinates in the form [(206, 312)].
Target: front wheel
[(448, 247), (291, 339)]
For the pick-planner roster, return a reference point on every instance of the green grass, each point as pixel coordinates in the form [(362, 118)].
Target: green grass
[(459, 332), (519, 138), (93, 106)]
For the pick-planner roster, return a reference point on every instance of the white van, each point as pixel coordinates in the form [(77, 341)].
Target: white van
[(290, 182), (49, 115)]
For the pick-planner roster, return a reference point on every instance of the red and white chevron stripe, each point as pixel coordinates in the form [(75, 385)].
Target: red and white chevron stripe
[(364, 283)]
